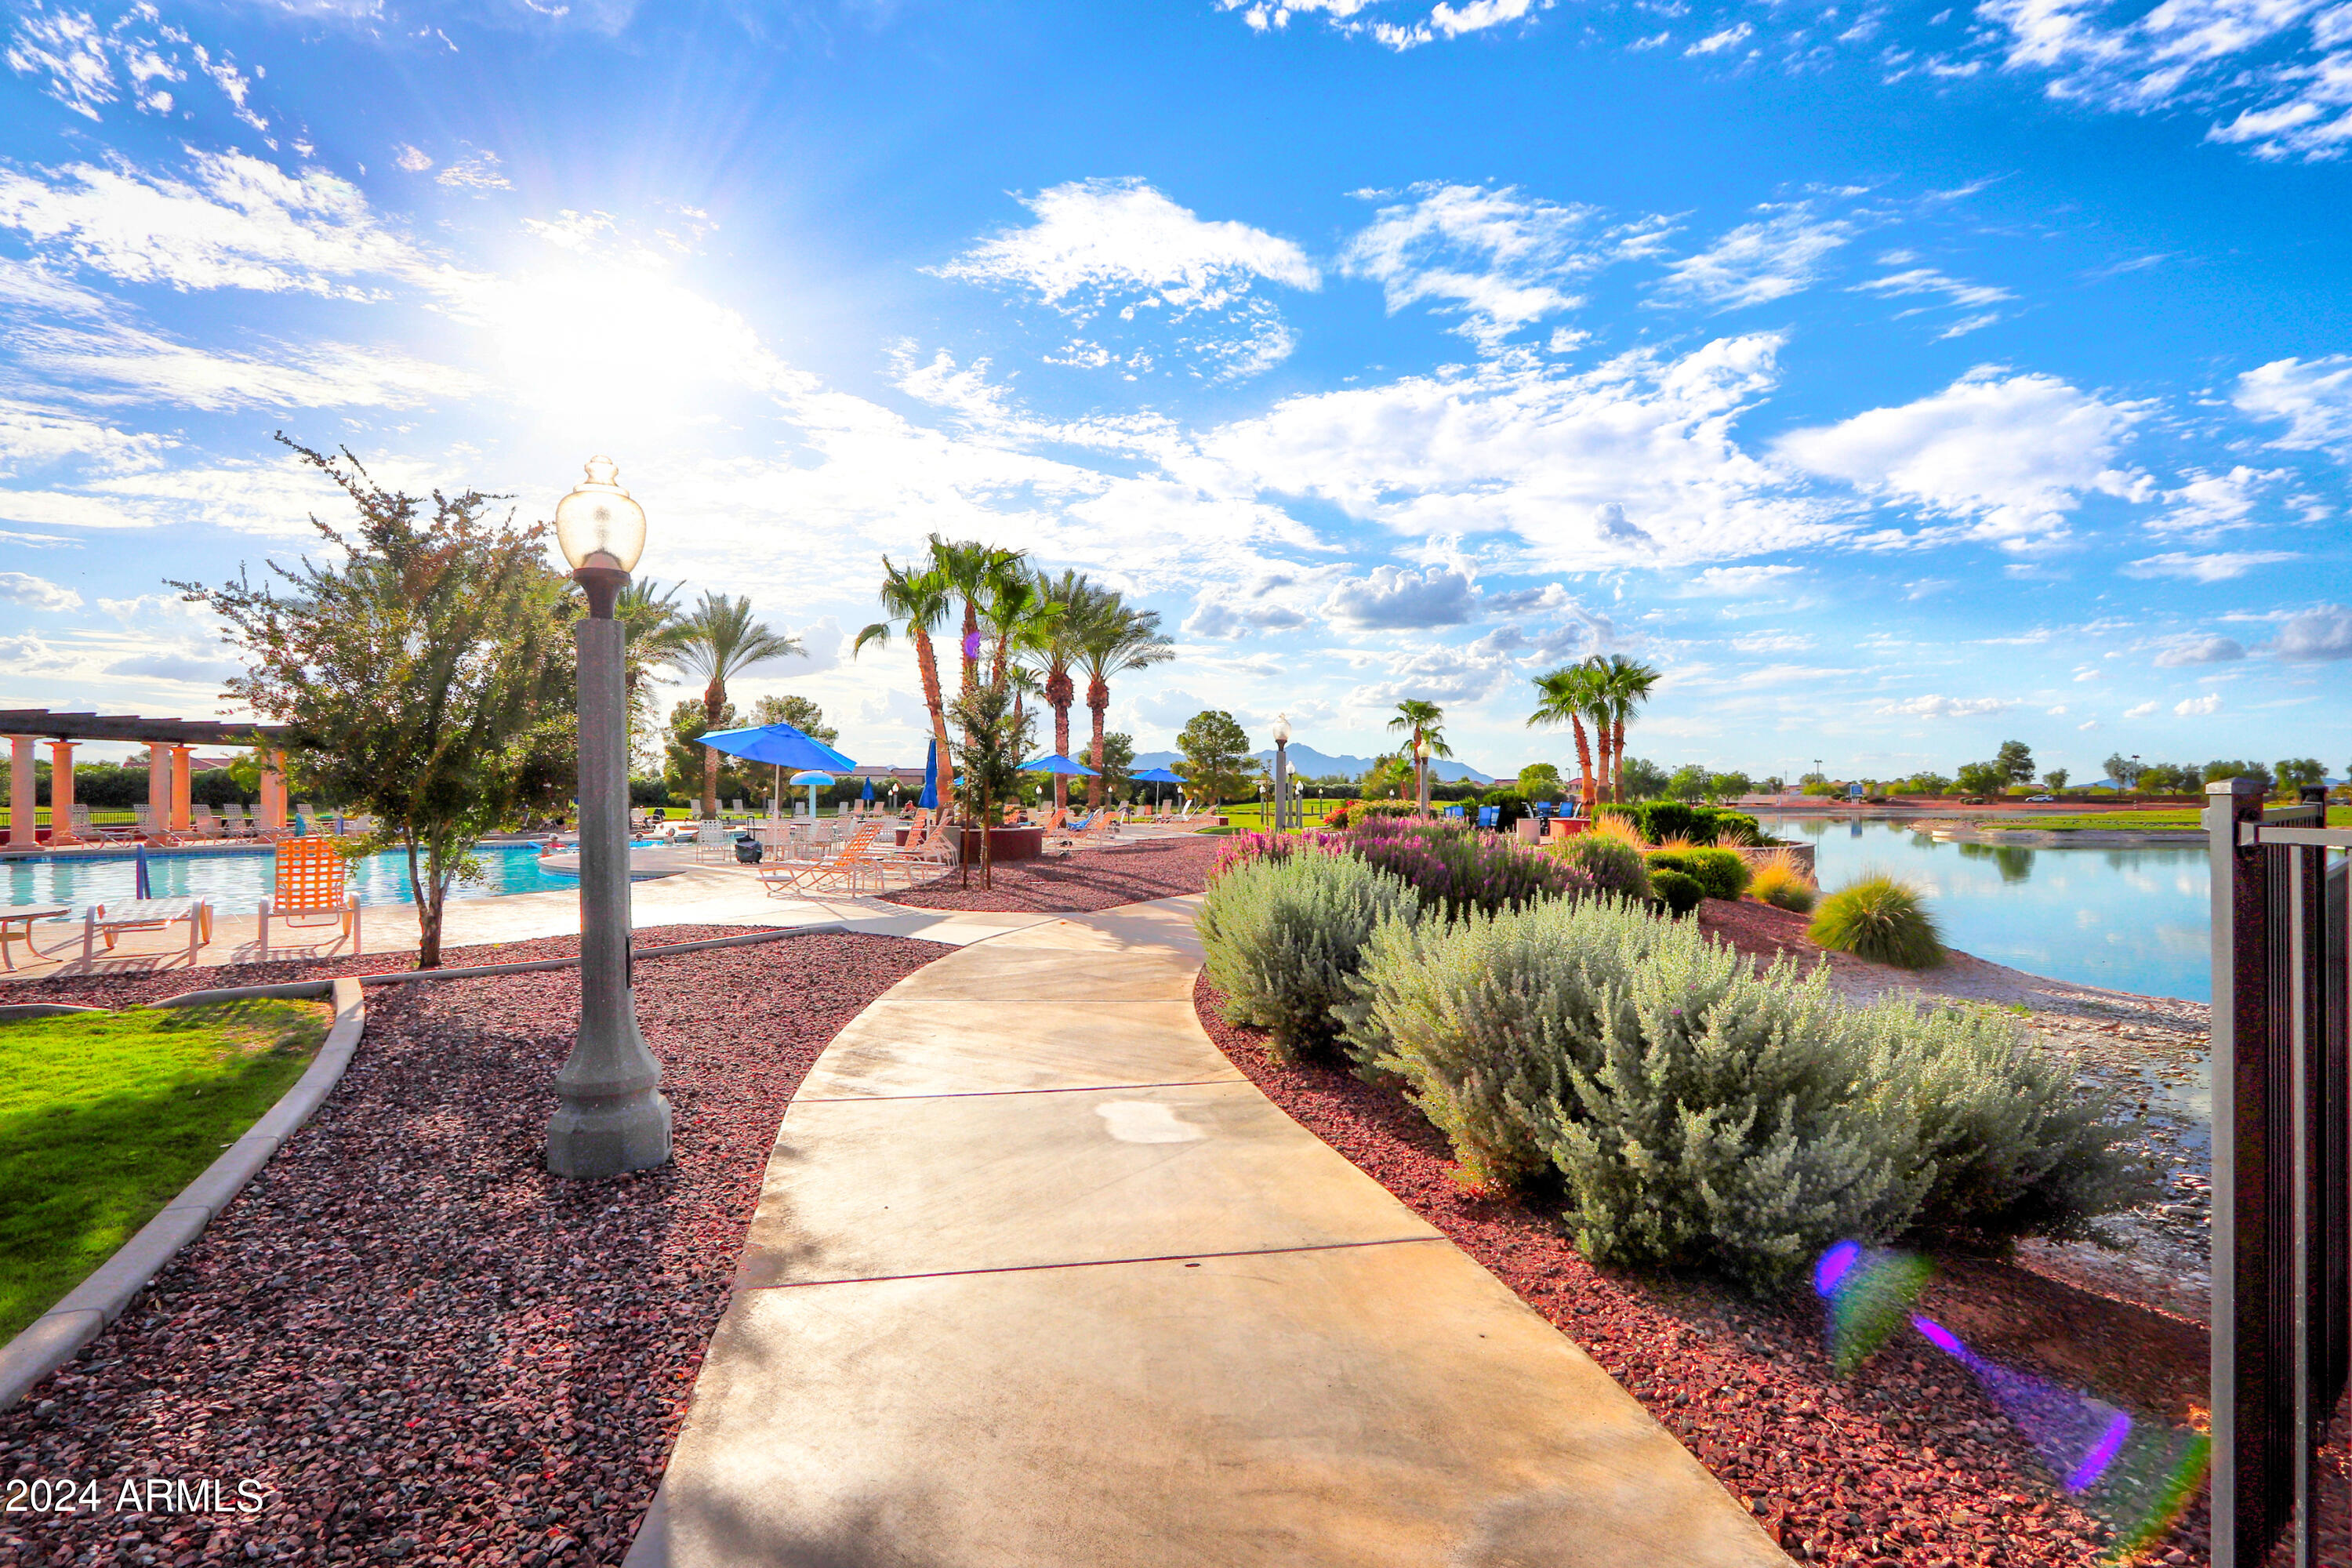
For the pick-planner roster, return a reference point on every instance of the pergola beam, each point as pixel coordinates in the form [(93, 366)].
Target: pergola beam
[(57, 726)]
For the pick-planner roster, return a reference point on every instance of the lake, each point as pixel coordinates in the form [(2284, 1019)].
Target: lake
[(2129, 920)]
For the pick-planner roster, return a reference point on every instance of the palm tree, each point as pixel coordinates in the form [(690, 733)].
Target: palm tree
[(919, 601), (649, 621), (1117, 639), (1426, 721), (1566, 696), (975, 573), (718, 640), (1624, 686), (1076, 600)]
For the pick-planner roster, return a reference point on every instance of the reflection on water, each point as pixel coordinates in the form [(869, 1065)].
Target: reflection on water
[(237, 882), (2130, 920)]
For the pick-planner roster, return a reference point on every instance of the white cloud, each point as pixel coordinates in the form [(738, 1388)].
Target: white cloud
[(2219, 567), (2199, 707), (1758, 262), (1233, 618), (1392, 597), (2315, 635), (2312, 397), (32, 434), (29, 652), (412, 159), (2200, 650), (1476, 17), (36, 592), (1096, 243), (1773, 642), (1938, 706), (1731, 38), (1630, 463), (2140, 710), (1737, 582), (314, 375), (478, 171), (2208, 504), (1501, 258), (65, 47), (238, 223), (2088, 724), (2012, 453), (1928, 280)]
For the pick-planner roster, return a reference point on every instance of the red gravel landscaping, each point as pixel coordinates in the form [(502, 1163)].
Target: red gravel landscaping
[(1083, 880), (1906, 1465), (417, 1344)]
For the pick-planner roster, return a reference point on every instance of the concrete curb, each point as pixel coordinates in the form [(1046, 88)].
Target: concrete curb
[(16, 1012), (52, 1338)]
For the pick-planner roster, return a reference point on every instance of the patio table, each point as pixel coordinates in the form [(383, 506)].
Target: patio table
[(16, 925)]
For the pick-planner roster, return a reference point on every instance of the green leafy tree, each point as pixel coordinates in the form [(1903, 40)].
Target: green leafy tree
[(2054, 780), (798, 711), (648, 614), (1118, 639), (1729, 786), (685, 757), (1216, 764), (424, 671), (1541, 781), (1688, 782), (1117, 763), (718, 640), (2294, 773), (2124, 770), (1389, 779), (1982, 778), (2015, 761), (2230, 768), (994, 743)]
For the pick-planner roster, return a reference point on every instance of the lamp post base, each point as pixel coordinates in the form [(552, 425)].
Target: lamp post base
[(596, 1139)]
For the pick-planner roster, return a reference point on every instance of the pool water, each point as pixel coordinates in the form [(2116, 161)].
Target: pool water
[(236, 883), (2129, 920)]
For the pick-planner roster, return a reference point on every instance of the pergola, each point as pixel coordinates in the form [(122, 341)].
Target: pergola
[(169, 744)]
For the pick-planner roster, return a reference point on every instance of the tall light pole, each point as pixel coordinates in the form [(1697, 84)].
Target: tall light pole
[(611, 1117), (1421, 757), (1282, 813)]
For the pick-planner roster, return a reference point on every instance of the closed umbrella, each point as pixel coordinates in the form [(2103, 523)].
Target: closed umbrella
[(869, 792), (139, 872), (931, 796)]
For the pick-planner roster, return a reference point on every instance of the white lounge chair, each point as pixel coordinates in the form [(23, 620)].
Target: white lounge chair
[(152, 828), (856, 862), (110, 921)]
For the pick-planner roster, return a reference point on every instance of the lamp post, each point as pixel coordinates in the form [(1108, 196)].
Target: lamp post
[(1421, 757), (611, 1117), (1282, 813)]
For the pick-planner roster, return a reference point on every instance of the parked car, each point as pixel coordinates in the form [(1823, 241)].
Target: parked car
[(2039, 799)]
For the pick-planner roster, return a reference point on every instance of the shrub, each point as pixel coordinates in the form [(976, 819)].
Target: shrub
[(1455, 868), (1613, 864), (1659, 820), (1720, 872), (1680, 889), (1736, 827), (1778, 882), (1698, 1111), (1351, 813), (1878, 918), (1283, 934), (1250, 844), (1513, 805)]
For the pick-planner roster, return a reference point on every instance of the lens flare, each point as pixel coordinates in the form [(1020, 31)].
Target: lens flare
[(1870, 1291), (2137, 1477)]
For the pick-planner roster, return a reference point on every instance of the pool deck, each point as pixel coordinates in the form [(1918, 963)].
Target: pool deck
[(701, 895)]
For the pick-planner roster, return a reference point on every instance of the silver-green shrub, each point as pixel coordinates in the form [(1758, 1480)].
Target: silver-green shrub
[(1283, 938), (1614, 864), (1700, 1112)]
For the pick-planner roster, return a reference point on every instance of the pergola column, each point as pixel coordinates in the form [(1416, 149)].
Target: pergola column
[(159, 784), (61, 794), (273, 788), (22, 795), (182, 818)]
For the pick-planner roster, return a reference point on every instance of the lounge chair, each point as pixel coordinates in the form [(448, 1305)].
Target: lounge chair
[(927, 845), (152, 830), (202, 824), (311, 887), (111, 919), (855, 861)]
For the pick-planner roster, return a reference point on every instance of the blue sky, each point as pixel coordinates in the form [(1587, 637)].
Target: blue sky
[(1898, 378)]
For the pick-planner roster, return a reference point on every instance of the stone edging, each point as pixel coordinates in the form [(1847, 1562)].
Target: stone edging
[(51, 1339)]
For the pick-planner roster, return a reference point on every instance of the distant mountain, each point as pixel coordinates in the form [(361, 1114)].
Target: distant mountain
[(1308, 763)]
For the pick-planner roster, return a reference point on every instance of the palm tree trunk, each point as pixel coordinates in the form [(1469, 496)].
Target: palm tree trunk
[(927, 662), (1584, 763), (1059, 693), (1601, 747), (964, 648), (1617, 750), (1098, 704), (714, 703)]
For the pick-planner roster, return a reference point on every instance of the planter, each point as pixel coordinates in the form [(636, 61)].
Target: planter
[(1005, 845)]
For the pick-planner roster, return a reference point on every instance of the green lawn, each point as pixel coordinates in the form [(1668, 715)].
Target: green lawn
[(104, 1116), (2180, 818)]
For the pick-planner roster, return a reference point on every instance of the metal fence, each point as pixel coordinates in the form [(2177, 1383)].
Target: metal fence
[(2282, 1165)]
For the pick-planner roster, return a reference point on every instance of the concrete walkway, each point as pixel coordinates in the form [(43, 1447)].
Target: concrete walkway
[(1038, 1280)]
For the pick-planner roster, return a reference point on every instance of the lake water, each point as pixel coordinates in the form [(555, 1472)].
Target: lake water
[(2129, 919), (236, 883)]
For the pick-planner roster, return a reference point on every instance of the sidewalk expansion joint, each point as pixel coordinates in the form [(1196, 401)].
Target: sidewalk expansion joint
[(1104, 1262), (1000, 1093)]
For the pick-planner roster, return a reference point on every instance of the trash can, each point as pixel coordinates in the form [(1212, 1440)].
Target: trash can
[(748, 850)]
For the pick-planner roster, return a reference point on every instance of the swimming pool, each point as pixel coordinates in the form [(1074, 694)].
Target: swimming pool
[(2127, 919), (237, 882)]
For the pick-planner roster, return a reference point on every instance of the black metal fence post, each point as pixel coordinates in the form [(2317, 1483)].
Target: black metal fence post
[(2246, 1461)]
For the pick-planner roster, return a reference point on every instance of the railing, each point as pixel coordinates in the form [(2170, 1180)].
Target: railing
[(2282, 1165)]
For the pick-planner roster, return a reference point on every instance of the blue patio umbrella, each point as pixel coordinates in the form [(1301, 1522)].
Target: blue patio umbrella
[(1058, 763), (812, 778), (1156, 777), (139, 888), (781, 746), (869, 792), (929, 799)]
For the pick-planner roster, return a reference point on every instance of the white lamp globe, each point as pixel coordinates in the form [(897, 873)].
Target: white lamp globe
[(1282, 729), (598, 524)]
